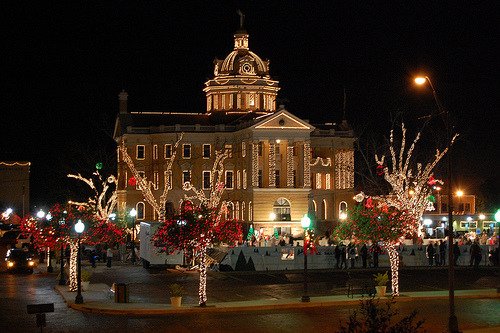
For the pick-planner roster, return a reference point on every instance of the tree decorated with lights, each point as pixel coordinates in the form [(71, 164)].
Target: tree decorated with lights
[(104, 199), (410, 190), (146, 186), (200, 223), (383, 224), (58, 227)]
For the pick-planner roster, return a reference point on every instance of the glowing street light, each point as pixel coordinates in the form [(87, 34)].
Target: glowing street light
[(79, 228), (305, 222), (133, 214), (452, 319)]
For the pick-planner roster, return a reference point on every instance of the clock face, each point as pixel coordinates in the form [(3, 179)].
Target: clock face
[(246, 68)]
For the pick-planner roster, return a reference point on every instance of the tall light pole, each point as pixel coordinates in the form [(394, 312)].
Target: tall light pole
[(79, 227), (305, 222), (452, 319), (133, 214)]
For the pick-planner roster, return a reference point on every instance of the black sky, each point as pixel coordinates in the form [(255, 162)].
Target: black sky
[(65, 64)]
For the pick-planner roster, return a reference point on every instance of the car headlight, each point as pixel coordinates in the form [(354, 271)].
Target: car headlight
[(10, 264), (31, 263)]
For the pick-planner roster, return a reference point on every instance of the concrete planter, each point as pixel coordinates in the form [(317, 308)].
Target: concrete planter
[(176, 302), (381, 290)]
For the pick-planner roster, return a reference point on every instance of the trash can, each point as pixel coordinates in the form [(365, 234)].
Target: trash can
[(121, 293)]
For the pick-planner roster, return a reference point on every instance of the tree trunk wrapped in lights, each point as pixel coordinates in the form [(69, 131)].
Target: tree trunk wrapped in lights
[(379, 224), (200, 223), (73, 261), (58, 227)]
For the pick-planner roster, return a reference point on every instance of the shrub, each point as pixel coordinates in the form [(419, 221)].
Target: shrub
[(176, 290), (376, 318)]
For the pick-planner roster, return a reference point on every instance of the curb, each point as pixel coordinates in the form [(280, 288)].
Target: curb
[(141, 309)]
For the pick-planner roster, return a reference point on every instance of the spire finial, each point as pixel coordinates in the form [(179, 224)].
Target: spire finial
[(242, 18)]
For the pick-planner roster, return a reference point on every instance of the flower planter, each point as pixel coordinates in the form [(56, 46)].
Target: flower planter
[(176, 302), (380, 290)]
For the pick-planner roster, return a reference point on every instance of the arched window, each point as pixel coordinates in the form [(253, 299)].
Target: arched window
[(342, 209), (313, 207), (230, 210), (281, 210), (250, 212), (237, 210), (243, 211), (324, 208), (140, 210)]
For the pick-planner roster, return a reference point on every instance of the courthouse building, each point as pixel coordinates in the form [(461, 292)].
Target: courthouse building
[(279, 167)]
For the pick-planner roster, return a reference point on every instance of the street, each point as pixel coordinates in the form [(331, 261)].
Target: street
[(18, 290)]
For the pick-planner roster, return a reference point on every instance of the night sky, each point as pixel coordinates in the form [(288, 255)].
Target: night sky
[(64, 65)]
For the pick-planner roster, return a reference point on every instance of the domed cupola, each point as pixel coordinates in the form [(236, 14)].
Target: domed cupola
[(241, 81)]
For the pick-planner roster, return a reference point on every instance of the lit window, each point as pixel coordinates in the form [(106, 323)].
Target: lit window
[(155, 152), (186, 150), (186, 176), (155, 180), (243, 149), (140, 210), (244, 178), (168, 151), (281, 210), (327, 181), (140, 152), (229, 150), (206, 151), (318, 180), (229, 179), (206, 179)]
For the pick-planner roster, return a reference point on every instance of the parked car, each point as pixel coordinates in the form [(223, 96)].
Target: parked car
[(19, 261)]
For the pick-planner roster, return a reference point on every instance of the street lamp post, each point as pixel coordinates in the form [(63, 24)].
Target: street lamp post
[(452, 319), (133, 214), (79, 227), (305, 222)]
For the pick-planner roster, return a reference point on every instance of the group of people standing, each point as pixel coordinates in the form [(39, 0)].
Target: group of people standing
[(353, 252)]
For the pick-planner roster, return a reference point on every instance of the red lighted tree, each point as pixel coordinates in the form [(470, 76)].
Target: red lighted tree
[(379, 224), (195, 228), (58, 227)]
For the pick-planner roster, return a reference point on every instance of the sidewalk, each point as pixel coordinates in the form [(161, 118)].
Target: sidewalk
[(98, 299)]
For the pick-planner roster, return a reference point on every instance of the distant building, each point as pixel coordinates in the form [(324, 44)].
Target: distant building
[(15, 186), (280, 167), (465, 217)]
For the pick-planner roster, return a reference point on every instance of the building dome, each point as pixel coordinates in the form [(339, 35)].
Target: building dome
[(241, 60), (241, 81)]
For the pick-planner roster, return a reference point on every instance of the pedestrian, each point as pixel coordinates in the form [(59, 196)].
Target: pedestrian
[(352, 254), (343, 256), (442, 253), (364, 254), (338, 253), (476, 255), (430, 253), (109, 256), (456, 253), (92, 258)]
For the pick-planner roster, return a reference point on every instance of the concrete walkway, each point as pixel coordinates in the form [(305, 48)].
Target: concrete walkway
[(99, 299)]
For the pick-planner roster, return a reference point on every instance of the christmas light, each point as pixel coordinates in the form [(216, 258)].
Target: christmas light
[(145, 186)]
